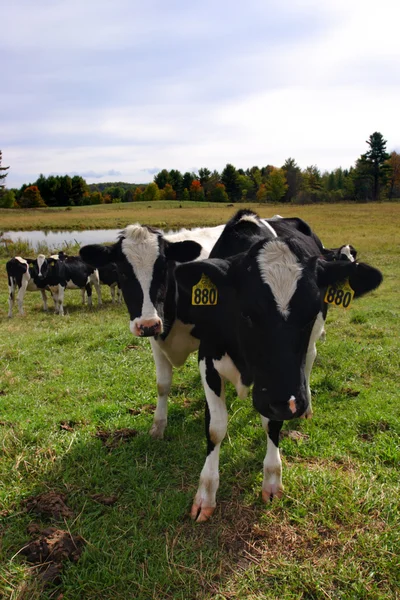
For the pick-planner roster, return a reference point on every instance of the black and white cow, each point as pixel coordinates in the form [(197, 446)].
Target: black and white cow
[(146, 260), (61, 272), (108, 275), (22, 274), (267, 287)]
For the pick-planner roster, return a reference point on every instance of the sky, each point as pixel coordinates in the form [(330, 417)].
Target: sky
[(118, 90)]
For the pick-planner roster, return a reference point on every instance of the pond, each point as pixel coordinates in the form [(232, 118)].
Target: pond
[(58, 239)]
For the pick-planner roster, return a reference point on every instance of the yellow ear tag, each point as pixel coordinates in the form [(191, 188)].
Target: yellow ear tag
[(340, 295), (204, 293)]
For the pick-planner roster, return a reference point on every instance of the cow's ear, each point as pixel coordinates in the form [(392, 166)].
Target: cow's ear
[(183, 251), (362, 277), (189, 274), (98, 255), (30, 261)]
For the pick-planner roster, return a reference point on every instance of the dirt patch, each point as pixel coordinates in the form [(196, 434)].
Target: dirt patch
[(106, 500), (112, 439), (146, 408), (67, 425), (369, 429), (132, 347), (49, 504), (292, 434), (49, 549)]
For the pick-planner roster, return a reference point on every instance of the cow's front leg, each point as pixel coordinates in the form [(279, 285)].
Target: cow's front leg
[(272, 482), (216, 425), (44, 298), (21, 295), (164, 380)]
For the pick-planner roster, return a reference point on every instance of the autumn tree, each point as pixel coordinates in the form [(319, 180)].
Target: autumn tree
[(169, 192), (2, 175), (151, 193), (197, 191), (218, 194), (394, 179), (138, 195), (375, 163), (276, 185), (31, 198)]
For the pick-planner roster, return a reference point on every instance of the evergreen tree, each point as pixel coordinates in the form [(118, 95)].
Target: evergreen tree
[(375, 162), (230, 179), (293, 179), (2, 175)]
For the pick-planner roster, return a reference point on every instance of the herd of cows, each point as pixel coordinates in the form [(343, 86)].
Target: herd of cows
[(250, 296)]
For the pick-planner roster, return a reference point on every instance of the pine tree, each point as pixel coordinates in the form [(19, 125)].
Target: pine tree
[(2, 175), (375, 162)]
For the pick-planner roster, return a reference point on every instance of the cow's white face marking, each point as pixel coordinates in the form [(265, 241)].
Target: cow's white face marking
[(347, 252), (21, 260), (140, 247), (40, 260), (280, 270)]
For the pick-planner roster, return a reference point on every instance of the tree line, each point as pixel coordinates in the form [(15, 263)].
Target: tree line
[(375, 176)]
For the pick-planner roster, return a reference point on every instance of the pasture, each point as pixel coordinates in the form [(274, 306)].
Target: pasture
[(68, 383)]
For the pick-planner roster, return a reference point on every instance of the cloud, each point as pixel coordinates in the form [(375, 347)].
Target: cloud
[(91, 84)]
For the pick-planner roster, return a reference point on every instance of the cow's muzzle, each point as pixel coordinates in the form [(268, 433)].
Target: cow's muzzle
[(147, 328)]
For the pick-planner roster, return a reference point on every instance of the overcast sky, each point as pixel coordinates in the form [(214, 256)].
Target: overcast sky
[(118, 90)]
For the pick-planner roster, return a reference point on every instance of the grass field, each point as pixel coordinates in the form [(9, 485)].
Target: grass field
[(336, 532)]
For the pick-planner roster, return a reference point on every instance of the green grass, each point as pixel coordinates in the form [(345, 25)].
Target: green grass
[(335, 534)]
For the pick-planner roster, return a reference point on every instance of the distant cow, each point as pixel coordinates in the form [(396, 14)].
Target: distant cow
[(22, 274), (257, 305), (67, 272), (108, 275)]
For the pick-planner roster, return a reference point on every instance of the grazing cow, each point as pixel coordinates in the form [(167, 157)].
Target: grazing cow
[(22, 273), (347, 252), (61, 272), (146, 260), (108, 275), (258, 307)]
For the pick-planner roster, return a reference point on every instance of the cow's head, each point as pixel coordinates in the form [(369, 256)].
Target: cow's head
[(44, 265), (142, 256), (275, 297)]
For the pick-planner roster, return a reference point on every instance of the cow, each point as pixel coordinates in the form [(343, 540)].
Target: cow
[(146, 260), (258, 306), (22, 273), (108, 275), (61, 272)]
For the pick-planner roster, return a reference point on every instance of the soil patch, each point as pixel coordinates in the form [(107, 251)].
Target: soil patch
[(292, 434), (50, 549), (112, 439), (49, 504), (106, 500)]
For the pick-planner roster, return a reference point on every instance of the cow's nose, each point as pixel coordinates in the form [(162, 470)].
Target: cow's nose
[(149, 331)]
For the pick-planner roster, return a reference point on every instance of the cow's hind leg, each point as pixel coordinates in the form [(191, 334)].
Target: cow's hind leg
[(21, 294), (216, 425), (164, 380), (11, 296), (272, 482), (88, 288)]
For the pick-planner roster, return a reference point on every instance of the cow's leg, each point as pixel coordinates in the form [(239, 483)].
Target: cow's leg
[(21, 295), (11, 296), (55, 293), (112, 290), (88, 288), (95, 280), (119, 295), (272, 481), (216, 425), (164, 380), (316, 333), (44, 298), (60, 299), (83, 295)]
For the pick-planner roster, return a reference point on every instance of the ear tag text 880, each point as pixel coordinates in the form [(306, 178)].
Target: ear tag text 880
[(204, 293), (340, 295)]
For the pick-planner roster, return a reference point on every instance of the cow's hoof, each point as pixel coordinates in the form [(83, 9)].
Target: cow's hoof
[(157, 430), (271, 491), (307, 415), (201, 514)]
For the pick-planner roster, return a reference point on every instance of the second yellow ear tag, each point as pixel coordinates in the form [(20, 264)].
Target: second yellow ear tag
[(204, 293), (340, 295)]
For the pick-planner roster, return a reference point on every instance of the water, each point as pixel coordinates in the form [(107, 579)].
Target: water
[(58, 239)]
